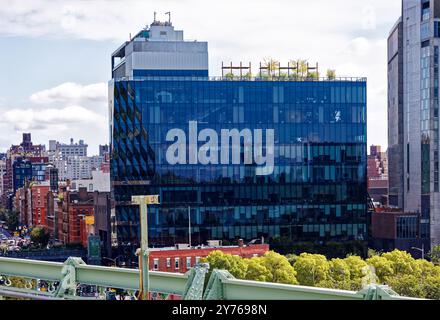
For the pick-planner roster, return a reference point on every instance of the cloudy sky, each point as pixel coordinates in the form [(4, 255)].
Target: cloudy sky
[(55, 54)]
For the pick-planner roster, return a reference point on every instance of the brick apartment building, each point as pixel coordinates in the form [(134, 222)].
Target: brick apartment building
[(79, 207), (377, 172), (181, 260), (39, 195)]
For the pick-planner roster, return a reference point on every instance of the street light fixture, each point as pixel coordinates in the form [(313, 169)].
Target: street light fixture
[(422, 250), (115, 260)]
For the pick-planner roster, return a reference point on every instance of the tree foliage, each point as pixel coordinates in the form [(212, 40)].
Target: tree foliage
[(256, 270), (339, 275), (406, 275), (10, 217), (331, 74), (272, 66), (291, 258), (402, 262), (397, 269), (272, 267), (434, 255), (279, 268), (382, 266), (40, 236), (359, 271), (407, 285), (312, 269)]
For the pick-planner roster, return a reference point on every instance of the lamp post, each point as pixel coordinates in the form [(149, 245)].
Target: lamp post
[(422, 250), (115, 260), (189, 225), (142, 252)]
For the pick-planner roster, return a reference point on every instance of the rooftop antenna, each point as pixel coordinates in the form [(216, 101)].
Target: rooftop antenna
[(169, 16), (155, 13)]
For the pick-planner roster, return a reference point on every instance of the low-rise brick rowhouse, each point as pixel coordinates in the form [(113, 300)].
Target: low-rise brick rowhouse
[(181, 260)]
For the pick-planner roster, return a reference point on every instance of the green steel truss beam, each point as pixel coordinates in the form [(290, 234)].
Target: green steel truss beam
[(164, 282), (221, 285)]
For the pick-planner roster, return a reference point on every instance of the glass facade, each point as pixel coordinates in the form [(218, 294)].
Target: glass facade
[(25, 170), (22, 171), (315, 193), (407, 227)]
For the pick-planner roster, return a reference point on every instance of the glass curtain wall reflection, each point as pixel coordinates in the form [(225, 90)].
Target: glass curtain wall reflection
[(315, 194)]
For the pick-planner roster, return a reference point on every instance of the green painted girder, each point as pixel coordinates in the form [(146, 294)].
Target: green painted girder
[(164, 282), (221, 285), (234, 289), (34, 269)]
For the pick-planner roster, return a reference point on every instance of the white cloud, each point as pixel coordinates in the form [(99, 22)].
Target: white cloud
[(113, 20), (62, 112), (72, 92), (54, 123), (44, 119)]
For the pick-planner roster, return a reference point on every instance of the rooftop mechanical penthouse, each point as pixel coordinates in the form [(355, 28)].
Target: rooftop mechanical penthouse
[(251, 158)]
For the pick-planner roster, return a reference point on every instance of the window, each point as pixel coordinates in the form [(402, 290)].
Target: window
[(425, 31), (168, 262), (176, 262), (188, 262), (197, 260), (156, 264), (425, 11), (436, 29)]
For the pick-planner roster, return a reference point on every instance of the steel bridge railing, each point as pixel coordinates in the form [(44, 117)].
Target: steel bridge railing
[(221, 286)]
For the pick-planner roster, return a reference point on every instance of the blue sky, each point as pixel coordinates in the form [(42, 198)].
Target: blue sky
[(55, 54)]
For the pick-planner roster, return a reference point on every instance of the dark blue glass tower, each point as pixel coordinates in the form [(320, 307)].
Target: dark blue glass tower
[(313, 195)]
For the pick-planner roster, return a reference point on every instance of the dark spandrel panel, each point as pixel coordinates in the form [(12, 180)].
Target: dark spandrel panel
[(436, 8), (315, 190)]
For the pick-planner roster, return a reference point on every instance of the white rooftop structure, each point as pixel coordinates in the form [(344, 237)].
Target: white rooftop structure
[(160, 50), (100, 182)]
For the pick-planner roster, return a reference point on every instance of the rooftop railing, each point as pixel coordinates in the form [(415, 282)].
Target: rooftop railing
[(247, 79)]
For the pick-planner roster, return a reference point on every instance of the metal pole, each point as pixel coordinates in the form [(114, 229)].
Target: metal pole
[(144, 254), (189, 225)]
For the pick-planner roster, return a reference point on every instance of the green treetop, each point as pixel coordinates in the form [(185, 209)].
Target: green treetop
[(312, 269)]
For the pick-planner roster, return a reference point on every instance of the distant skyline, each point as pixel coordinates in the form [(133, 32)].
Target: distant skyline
[(56, 54)]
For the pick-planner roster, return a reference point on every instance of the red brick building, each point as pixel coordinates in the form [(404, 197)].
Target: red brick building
[(21, 203), (67, 217), (181, 260), (80, 205), (39, 194)]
